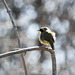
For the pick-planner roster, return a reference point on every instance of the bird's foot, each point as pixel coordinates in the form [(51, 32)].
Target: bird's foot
[(47, 46), (43, 46)]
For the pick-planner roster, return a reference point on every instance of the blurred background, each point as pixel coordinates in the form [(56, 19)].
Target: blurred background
[(29, 16)]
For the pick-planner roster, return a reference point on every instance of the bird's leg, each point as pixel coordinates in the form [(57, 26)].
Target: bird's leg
[(43, 46), (47, 46)]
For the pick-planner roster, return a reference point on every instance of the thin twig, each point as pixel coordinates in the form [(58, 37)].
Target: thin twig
[(16, 31), (23, 50)]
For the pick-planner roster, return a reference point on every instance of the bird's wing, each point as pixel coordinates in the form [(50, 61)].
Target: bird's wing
[(49, 37)]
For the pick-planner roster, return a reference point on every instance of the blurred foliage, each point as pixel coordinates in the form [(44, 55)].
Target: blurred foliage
[(29, 16)]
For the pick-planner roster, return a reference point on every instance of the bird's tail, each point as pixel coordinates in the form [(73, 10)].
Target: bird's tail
[(52, 46)]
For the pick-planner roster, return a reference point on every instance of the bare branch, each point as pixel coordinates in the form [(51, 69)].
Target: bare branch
[(12, 20), (23, 50), (53, 63), (16, 31)]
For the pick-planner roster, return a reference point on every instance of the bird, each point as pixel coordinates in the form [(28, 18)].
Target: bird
[(47, 37)]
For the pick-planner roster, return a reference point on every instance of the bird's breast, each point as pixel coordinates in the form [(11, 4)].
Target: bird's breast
[(43, 41)]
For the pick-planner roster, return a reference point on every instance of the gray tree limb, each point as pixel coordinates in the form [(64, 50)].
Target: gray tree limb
[(23, 50)]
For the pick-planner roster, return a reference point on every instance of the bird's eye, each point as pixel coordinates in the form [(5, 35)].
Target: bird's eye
[(41, 30)]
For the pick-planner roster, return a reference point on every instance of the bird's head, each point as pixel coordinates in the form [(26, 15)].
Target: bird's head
[(43, 29)]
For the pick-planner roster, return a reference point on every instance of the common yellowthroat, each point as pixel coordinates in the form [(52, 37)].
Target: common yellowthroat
[(47, 37)]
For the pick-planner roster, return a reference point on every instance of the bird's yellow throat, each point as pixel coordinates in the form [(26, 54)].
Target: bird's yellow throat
[(40, 32)]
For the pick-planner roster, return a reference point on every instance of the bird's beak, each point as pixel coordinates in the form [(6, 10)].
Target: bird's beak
[(39, 31)]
